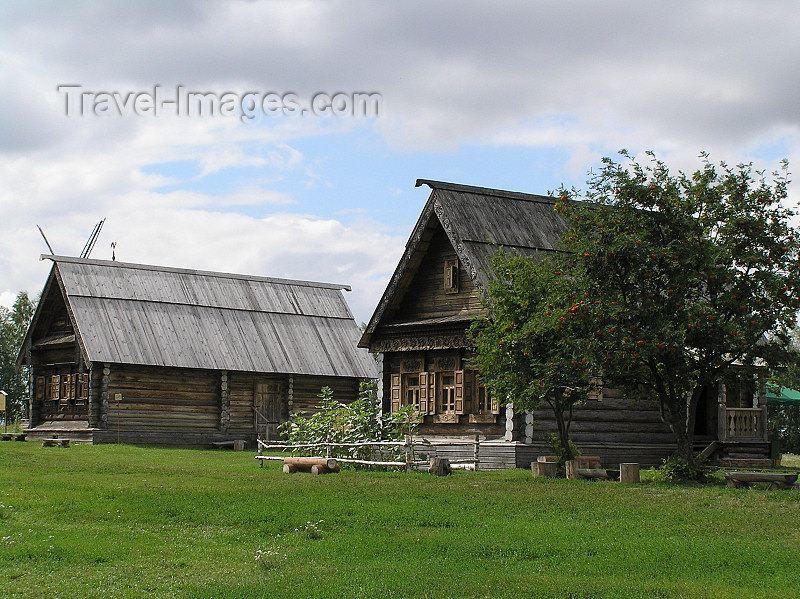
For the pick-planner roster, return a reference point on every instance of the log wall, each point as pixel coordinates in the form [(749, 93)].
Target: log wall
[(163, 399), (306, 390), (183, 407)]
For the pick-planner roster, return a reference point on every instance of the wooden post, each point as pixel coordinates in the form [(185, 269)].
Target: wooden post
[(407, 447), (629, 473), (722, 412), (476, 450)]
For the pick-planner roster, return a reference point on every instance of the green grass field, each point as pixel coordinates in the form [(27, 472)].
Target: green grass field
[(122, 521)]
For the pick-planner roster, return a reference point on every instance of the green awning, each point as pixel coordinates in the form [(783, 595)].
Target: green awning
[(782, 396)]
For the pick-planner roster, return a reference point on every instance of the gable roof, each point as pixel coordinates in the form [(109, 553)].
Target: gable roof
[(476, 220), (148, 315)]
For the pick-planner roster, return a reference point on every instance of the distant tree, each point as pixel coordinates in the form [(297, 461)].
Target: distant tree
[(13, 326), (783, 420), (688, 280), (529, 347)]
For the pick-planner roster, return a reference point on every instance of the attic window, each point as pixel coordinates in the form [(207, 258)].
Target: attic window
[(451, 275)]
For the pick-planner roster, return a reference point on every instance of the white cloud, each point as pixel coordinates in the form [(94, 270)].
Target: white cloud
[(582, 78)]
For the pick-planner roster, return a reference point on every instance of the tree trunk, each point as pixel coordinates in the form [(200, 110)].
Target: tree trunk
[(681, 414), (563, 423)]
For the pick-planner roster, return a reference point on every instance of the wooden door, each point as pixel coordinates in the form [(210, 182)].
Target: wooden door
[(267, 410)]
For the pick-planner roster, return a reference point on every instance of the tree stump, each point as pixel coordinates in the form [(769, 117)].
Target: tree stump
[(440, 467), (540, 468), (629, 473), (572, 469)]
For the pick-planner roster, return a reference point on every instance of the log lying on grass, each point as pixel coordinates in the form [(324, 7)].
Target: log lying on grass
[(312, 465), (575, 471)]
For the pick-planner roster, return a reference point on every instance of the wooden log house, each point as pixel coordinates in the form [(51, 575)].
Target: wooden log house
[(419, 327), (166, 356)]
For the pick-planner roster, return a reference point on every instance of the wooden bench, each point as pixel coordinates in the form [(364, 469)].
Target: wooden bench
[(55, 442), (775, 480), (237, 445)]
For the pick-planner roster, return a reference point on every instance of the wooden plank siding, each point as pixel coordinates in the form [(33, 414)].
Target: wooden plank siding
[(430, 298)]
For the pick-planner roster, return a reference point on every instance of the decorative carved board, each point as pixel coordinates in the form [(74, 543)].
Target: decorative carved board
[(482, 418), (445, 418)]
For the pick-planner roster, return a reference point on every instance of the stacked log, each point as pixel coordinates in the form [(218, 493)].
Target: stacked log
[(312, 465)]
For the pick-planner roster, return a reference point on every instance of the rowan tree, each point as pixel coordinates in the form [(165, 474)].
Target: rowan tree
[(689, 279), (528, 343)]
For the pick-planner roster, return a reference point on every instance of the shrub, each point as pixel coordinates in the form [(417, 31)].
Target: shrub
[(357, 422), (675, 468)]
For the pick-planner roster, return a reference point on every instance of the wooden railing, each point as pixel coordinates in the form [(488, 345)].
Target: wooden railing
[(744, 423)]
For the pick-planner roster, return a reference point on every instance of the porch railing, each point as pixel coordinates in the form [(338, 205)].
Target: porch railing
[(745, 423)]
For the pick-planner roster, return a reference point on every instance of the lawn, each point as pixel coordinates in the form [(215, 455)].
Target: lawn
[(123, 521)]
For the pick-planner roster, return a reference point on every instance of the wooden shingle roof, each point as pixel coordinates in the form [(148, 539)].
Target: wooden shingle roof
[(148, 315), (476, 220)]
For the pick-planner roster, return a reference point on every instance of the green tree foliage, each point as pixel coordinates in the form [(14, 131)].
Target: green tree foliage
[(529, 344), (688, 280), (784, 427), (13, 326)]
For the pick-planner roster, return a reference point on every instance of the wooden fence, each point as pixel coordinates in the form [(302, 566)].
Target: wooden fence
[(410, 449)]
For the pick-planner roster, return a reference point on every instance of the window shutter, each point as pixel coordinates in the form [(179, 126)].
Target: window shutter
[(40, 388), (469, 391), (395, 393), (83, 386), (431, 393), (55, 387), (424, 396), (459, 391)]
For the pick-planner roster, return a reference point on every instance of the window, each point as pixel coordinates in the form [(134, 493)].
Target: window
[(451, 392), (412, 391), (596, 390), (451, 276), (448, 393), (484, 403)]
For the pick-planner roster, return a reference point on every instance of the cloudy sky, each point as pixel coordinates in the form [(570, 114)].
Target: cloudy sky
[(514, 95)]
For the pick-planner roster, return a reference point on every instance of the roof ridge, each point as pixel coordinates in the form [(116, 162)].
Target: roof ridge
[(487, 191), (203, 273)]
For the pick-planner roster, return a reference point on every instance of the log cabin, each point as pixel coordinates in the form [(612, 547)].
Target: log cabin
[(166, 356), (419, 328)]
